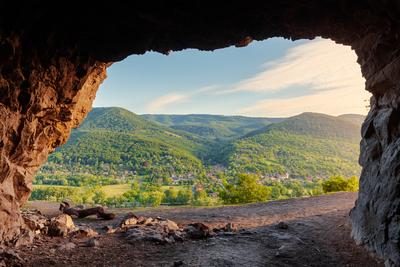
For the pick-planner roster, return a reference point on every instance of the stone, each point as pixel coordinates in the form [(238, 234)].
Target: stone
[(149, 234), (148, 221), (170, 225), (230, 227), (84, 232), (35, 221), (110, 229), (197, 231), (61, 225), (129, 220)]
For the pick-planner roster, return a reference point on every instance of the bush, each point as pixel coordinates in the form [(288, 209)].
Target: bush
[(339, 183)]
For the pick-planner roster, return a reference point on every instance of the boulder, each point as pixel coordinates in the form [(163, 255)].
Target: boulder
[(61, 225), (84, 232), (35, 221), (151, 234), (170, 225), (198, 231), (129, 220)]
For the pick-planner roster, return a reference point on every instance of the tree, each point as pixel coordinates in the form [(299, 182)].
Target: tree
[(339, 183), (245, 190), (99, 197)]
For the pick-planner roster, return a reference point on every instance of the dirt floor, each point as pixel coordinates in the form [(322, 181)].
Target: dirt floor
[(318, 235)]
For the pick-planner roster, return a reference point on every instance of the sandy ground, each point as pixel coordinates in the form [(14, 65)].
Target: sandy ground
[(318, 235)]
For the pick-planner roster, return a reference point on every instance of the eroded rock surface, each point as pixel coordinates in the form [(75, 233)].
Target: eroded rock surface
[(53, 59)]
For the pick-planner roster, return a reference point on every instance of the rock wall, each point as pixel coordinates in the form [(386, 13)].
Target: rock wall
[(376, 215), (39, 104), (52, 60)]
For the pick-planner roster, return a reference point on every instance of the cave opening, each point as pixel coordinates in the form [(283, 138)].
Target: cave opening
[(50, 73), (190, 123)]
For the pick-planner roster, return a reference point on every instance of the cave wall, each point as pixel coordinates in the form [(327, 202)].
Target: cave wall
[(39, 104), (53, 58)]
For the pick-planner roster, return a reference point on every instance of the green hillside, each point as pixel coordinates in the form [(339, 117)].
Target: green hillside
[(309, 144), (212, 127), (114, 141)]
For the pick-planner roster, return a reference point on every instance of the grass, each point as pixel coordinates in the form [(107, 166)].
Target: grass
[(116, 189), (109, 190)]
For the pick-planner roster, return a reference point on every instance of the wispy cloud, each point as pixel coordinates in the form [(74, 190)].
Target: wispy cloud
[(330, 71), (334, 102), (320, 64), (166, 100), (175, 98)]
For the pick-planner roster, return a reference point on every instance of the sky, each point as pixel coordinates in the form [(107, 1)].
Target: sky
[(271, 78)]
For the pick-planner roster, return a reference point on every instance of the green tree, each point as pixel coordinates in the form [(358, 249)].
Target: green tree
[(99, 197), (247, 189), (339, 183)]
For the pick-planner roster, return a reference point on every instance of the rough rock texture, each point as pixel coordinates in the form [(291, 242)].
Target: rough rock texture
[(52, 60)]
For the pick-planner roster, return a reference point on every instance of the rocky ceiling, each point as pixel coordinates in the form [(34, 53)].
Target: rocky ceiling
[(54, 56)]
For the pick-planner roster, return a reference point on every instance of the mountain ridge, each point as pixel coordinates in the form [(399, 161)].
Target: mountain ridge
[(114, 141)]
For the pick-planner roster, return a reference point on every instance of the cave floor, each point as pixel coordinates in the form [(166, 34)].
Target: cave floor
[(318, 235)]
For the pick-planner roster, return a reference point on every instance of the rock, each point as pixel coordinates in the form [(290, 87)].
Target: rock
[(170, 225), (148, 221), (197, 231), (26, 237), (129, 220), (109, 229), (282, 225), (35, 220), (67, 246), (61, 225), (230, 227), (141, 220), (84, 232), (139, 234)]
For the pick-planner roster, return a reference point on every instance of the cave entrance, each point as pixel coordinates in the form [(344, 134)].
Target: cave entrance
[(284, 114)]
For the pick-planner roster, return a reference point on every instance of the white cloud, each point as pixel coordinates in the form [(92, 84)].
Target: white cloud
[(320, 64), (334, 102), (166, 100), (328, 69), (175, 98)]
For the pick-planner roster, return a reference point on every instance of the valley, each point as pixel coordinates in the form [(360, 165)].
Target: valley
[(194, 159)]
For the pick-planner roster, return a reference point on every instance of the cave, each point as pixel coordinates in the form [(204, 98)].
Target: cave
[(53, 57)]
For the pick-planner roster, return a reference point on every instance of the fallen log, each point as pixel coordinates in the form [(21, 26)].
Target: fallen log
[(82, 213)]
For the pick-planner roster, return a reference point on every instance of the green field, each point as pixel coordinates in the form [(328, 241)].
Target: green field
[(109, 190)]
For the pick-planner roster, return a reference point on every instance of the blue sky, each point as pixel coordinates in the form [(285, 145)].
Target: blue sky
[(272, 78)]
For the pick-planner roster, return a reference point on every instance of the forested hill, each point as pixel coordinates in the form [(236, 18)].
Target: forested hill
[(117, 142), (309, 144), (317, 125), (212, 126)]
